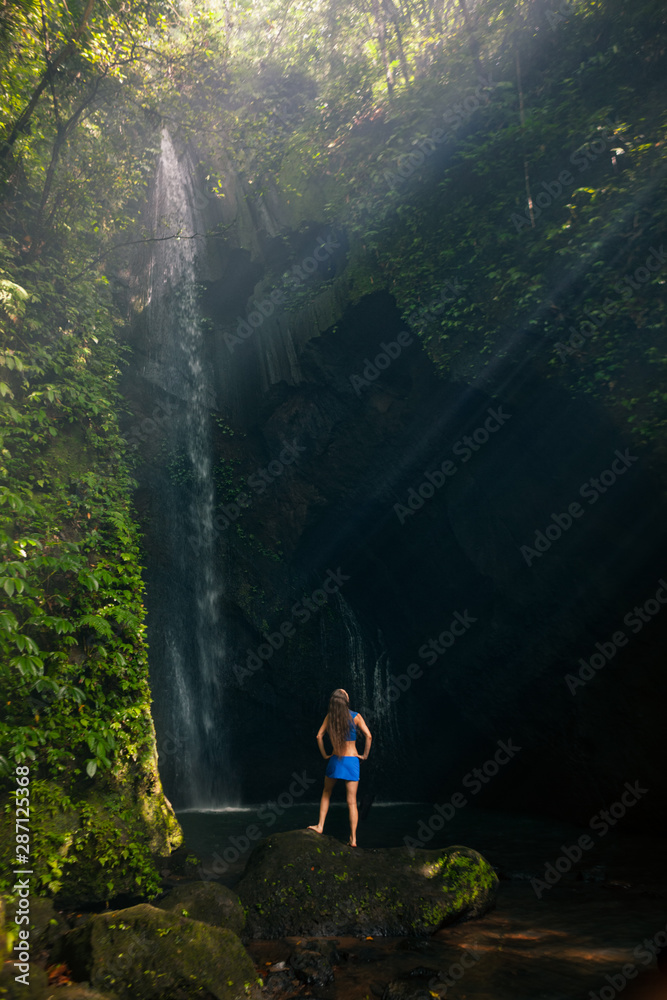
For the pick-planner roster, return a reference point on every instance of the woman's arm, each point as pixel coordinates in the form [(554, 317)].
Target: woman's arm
[(320, 738), (360, 724)]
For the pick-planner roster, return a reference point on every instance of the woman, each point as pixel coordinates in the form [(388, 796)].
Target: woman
[(341, 724)]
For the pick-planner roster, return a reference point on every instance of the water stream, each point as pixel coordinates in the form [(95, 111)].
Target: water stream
[(191, 678), (367, 676)]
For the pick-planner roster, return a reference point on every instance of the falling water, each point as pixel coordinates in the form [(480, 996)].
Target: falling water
[(368, 675), (191, 677)]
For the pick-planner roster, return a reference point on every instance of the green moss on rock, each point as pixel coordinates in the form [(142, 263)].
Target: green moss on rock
[(91, 847), (144, 953), (208, 902), (303, 883)]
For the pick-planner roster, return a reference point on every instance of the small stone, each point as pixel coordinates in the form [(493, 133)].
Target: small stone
[(312, 967), (406, 991)]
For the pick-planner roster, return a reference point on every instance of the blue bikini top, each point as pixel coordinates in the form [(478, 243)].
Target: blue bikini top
[(352, 732)]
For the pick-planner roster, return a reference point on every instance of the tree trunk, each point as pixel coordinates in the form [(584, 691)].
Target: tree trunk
[(472, 40), (393, 14), (62, 135), (522, 116)]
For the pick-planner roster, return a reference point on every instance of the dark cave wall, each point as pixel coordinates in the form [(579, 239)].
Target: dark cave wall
[(359, 450)]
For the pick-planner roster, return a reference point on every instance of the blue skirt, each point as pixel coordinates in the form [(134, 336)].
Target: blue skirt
[(346, 768)]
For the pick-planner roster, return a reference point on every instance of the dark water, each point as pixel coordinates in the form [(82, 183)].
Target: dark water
[(583, 936)]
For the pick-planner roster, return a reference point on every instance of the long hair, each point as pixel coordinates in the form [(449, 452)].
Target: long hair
[(338, 726)]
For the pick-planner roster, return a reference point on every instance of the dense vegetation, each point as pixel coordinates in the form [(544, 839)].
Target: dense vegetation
[(515, 149)]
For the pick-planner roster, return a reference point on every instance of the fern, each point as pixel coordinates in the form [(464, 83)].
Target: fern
[(96, 622)]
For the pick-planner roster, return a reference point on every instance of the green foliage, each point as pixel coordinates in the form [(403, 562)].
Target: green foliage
[(76, 152), (179, 469), (72, 644), (227, 479)]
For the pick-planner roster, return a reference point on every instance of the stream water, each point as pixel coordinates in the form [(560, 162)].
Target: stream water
[(588, 926)]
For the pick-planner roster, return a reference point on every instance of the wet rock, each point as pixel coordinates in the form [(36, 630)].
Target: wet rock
[(209, 902), (365, 955), (406, 991), (144, 953), (423, 972), (325, 946), (418, 944), (311, 967), (308, 884), (419, 983)]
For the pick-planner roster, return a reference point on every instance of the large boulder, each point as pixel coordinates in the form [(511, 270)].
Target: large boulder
[(209, 902), (143, 953), (307, 884)]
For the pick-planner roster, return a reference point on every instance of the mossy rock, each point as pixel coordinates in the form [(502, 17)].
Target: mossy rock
[(46, 924), (143, 953), (209, 902), (302, 883), (131, 816), (46, 927), (407, 991), (36, 989)]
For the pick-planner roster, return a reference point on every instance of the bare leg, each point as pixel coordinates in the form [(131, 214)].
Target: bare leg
[(324, 804), (351, 793)]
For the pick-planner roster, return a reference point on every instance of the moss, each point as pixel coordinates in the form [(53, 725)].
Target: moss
[(381, 892), (95, 846), (144, 953), (208, 902)]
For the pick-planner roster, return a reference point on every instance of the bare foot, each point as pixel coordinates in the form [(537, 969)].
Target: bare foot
[(352, 844), (316, 829)]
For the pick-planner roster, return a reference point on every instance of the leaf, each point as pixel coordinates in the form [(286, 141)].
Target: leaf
[(8, 621), (91, 767), (96, 622)]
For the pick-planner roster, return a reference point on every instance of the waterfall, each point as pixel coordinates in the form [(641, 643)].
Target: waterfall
[(191, 672), (367, 677)]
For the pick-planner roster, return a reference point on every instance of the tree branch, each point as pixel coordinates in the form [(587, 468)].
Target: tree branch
[(148, 239)]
